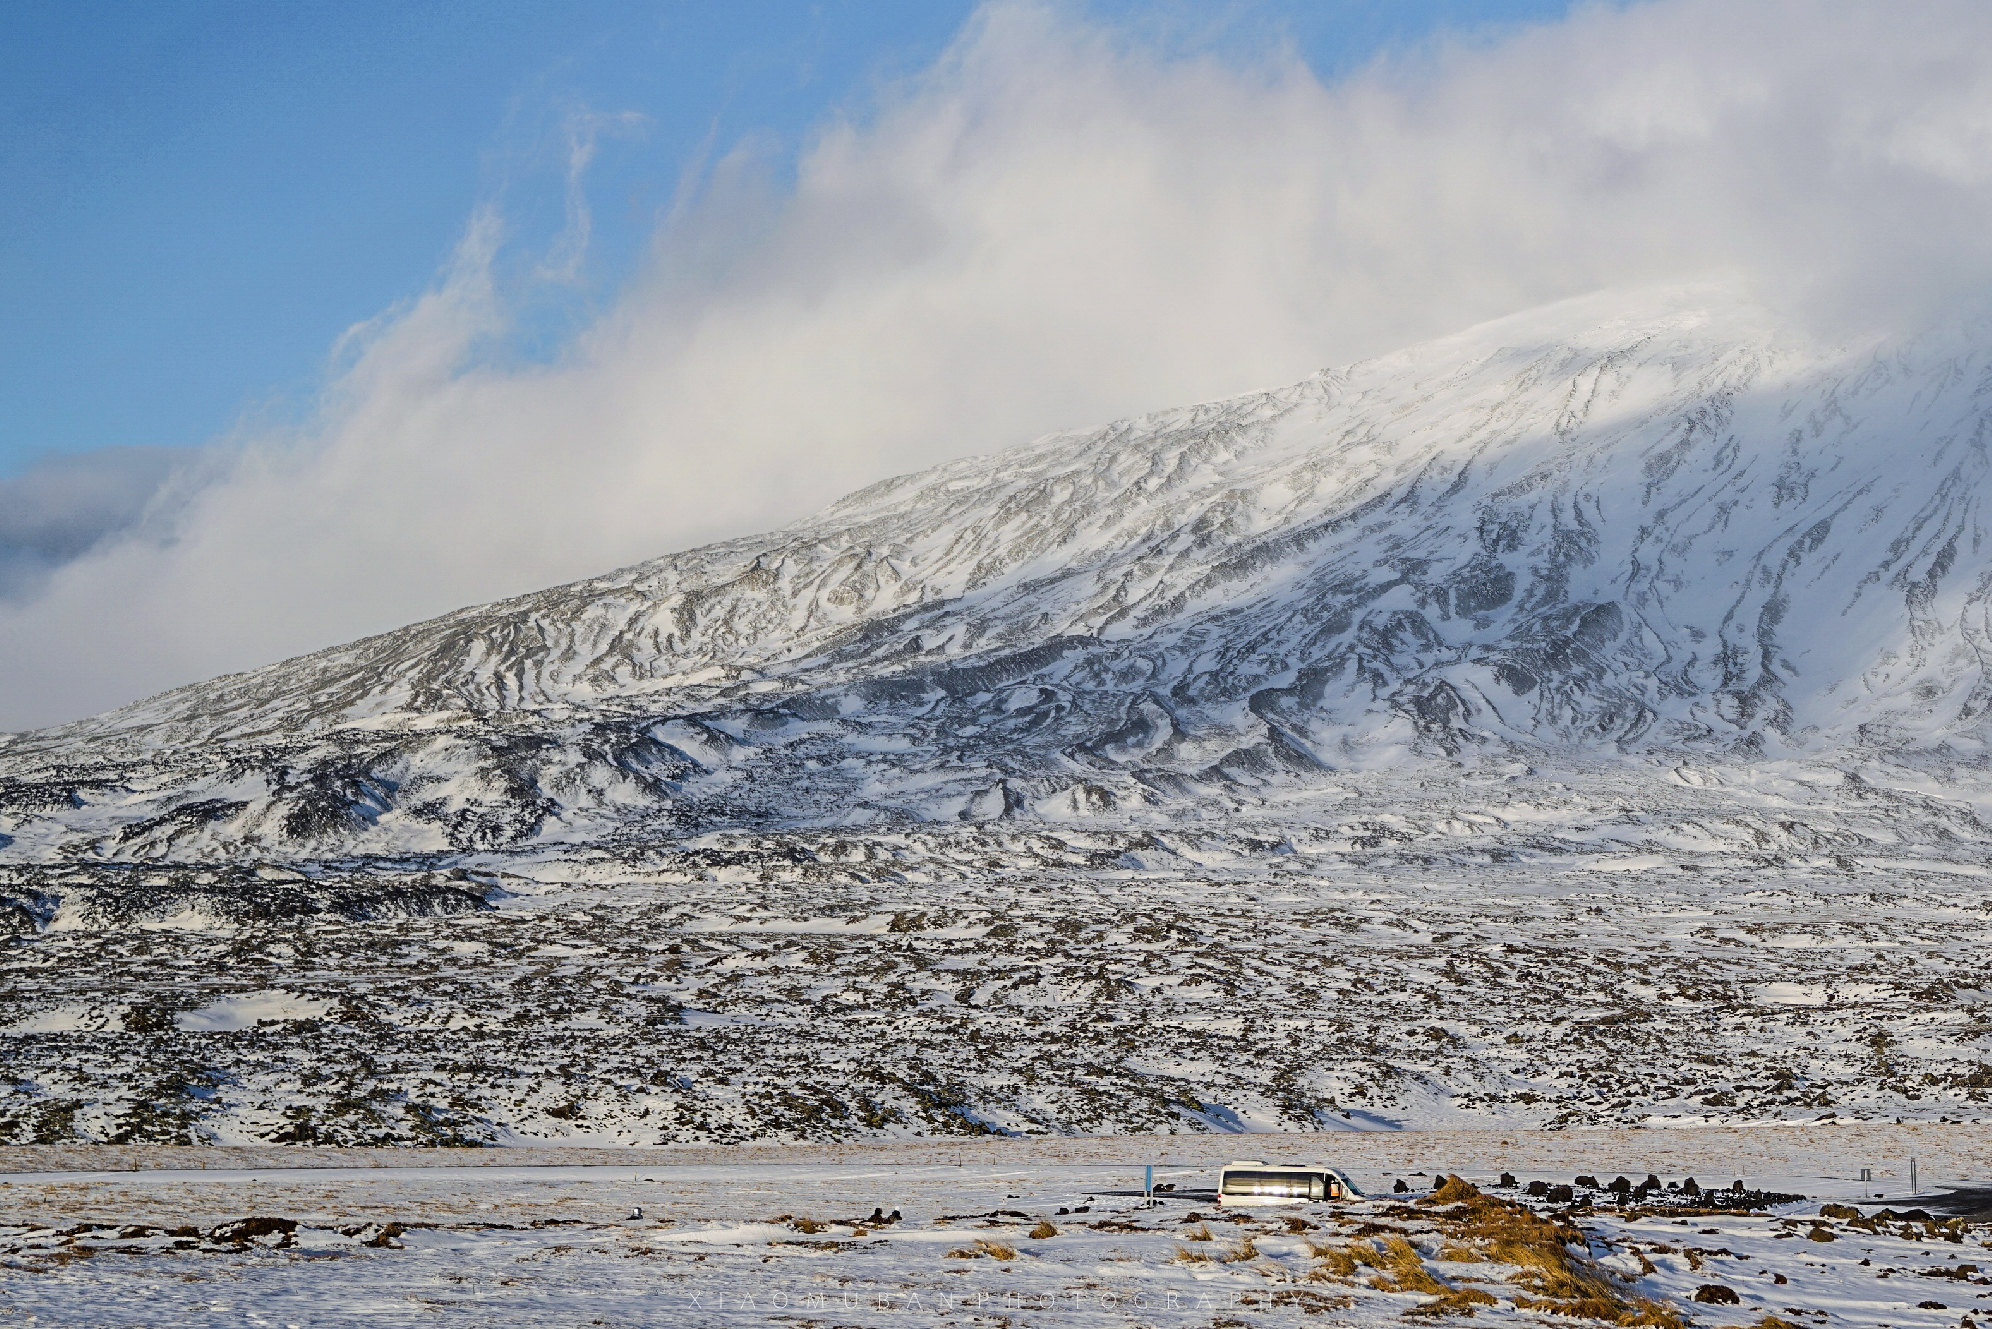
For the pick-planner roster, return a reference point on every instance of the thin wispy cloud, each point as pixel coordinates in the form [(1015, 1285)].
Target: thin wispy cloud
[(1052, 226)]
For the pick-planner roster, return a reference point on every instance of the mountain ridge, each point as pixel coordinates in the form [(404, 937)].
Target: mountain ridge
[(1616, 526)]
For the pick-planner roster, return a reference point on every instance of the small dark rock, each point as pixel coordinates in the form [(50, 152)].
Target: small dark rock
[(1507, 1179), (250, 1229), (1536, 1188), (380, 1236), (1561, 1195), (1715, 1294)]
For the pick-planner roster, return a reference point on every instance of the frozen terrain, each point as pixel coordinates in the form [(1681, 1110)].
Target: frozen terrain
[(786, 1237), (823, 986), (1625, 528), (1577, 721)]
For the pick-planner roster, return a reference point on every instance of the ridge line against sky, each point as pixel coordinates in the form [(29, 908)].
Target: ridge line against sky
[(1050, 217)]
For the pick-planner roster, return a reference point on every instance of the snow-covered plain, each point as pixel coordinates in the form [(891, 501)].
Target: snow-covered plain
[(822, 987), (1580, 722), (784, 1237)]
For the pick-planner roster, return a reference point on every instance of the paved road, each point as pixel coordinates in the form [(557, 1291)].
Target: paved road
[(1973, 1202)]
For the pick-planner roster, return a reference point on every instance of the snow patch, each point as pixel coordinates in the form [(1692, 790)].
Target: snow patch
[(247, 1010)]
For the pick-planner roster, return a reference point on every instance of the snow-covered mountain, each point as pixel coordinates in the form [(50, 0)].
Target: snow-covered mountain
[(1617, 528), (1456, 738)]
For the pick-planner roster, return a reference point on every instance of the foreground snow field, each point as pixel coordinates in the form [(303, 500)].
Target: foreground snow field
[(786, 1237)]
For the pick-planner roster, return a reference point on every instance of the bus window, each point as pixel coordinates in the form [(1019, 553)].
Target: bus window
[(1286, 1184)]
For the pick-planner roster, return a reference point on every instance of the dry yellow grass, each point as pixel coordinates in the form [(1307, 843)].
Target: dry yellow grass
[(1403, 1270), (1550, 1277), (995, 1250), (1043, 1230), (1342, 1261), (1198, 1233)]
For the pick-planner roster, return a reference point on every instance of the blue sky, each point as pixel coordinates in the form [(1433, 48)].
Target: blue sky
[(304, 343), (197, 198)]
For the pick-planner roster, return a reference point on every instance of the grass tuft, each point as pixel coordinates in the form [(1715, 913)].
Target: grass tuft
[(1548, 1275)]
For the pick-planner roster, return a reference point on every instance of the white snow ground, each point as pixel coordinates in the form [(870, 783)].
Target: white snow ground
[(1581, 721), (1568, 956), (780, 1237)]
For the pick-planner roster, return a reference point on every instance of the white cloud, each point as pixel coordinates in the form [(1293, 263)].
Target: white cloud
[(1053, 226)]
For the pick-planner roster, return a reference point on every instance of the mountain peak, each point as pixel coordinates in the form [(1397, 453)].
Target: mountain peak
[(1618, 525)]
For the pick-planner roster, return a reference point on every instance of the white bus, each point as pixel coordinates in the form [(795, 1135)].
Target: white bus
[(1253, 1181)]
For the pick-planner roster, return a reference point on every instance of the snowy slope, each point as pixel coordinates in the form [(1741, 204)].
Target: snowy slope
[(1456, 738), (1643, 525)]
